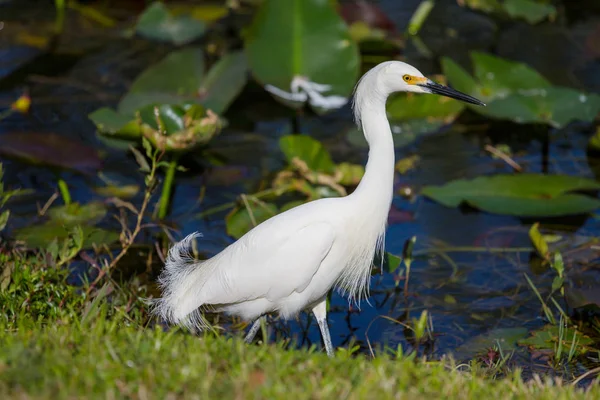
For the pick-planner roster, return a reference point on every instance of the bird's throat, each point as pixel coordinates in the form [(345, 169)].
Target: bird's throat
[(376, 186)]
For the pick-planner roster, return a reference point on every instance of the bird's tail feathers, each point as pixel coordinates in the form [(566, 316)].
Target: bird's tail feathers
[(181, 282)]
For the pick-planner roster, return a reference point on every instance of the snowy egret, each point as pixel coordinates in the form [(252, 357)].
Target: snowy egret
[(290, 262)]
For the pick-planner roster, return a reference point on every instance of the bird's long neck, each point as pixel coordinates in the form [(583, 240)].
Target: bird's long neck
[(376, 186)]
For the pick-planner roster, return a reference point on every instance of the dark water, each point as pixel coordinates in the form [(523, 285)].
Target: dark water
[(467, 293)]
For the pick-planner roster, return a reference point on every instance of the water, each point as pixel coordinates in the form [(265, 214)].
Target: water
[(467, 293)]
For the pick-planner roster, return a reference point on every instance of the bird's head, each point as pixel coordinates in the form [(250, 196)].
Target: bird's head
[(396, 76)]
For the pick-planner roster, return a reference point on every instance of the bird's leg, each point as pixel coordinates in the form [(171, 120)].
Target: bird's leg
[(253, 330), (320, 312)]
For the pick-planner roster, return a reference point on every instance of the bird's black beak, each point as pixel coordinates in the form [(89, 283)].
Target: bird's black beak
[(436, 88)]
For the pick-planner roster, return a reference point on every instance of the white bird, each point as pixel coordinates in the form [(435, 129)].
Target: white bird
[(290, 262)]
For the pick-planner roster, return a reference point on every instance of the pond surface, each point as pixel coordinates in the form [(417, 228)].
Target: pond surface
[(468, 290)]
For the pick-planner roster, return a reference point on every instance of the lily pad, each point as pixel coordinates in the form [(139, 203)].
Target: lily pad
[(75, 213), (50, 149), (40, 236), (157, 22), (531, 11), (515, 92), (532, 195), (309, 150), (548, 338), (305, 42), (224, 82), (506, 337), (111, 122), (174, 80), (172, 128), (62, 219), (175, 113)]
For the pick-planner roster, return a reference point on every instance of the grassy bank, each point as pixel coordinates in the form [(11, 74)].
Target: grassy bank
[(110, 359)]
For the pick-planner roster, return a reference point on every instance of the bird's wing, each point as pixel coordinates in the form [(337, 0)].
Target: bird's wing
[(295, 262), (273, 268)]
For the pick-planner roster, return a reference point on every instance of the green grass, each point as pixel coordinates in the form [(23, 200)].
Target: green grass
[(57, 343), (108, 358)]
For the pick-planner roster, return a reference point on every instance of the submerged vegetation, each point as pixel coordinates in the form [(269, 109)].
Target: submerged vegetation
[(128, 125)]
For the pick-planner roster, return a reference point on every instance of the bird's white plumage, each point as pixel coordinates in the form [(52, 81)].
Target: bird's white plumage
[(289, 263)]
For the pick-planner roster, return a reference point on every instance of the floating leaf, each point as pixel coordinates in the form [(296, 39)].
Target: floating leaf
[(172, 128), (548, 338), (530, 10), (75, 213), (111, 122), (241, 220), (515, 92), (157, 22), (309, 150), (174, 80), (499, 77), (50, 149), (40, 236), (304, 39), (555, 106), (506, 338), (65, 219), (224, 82), (532, 195)]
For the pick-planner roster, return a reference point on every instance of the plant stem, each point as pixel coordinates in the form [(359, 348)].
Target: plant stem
[(165, 196), (129, 237), (64, 191), (59, 22)]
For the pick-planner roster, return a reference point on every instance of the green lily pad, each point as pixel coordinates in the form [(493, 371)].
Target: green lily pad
[(499, 77), (111, 122), (531, 11), (75, 213), (532, 195), (556, 106), (506, 337), (174, 80), (548, 338), (40, 236), (515, 92), (224, 82), (309, 150), (173, 128), (303, 39), (157, 22), (62, 220), (239, 221)]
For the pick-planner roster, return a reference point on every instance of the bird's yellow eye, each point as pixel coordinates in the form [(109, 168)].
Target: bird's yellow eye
[(407, 78)]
